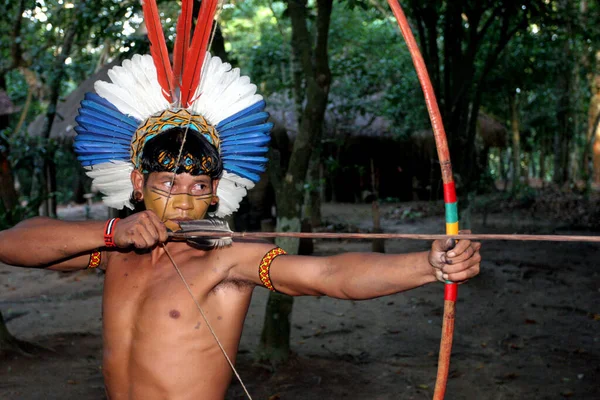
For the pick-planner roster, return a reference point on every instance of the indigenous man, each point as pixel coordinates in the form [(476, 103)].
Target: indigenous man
[(154, 345), (182, 141)]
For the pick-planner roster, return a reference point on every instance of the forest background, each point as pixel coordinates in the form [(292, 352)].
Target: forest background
[(518, 85)]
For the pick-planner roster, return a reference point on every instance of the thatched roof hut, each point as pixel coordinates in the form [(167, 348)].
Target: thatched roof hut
[(6, 105), (66, 109)]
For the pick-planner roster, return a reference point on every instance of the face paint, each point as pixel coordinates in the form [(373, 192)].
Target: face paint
[(189, 199)]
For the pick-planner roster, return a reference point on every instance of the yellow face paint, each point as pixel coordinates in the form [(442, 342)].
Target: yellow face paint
[(187, 197)]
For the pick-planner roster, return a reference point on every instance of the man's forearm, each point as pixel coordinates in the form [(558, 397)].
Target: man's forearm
[(42, 241), (364, 276)]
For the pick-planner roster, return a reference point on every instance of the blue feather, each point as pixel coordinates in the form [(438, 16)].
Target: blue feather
[(106, 119), (243, 173), (253, 119), (108, 157), (91, 151), (256, 135), (103, 132), (94, 109), (87, 163), (102, 146), (252, 165), (256, 107), (246, 130), (100, 100), (100, 137), (244, 150), (258, 142), (245, 159), (90, 124)]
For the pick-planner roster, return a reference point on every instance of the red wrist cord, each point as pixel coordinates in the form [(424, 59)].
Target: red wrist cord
[(109, 232)]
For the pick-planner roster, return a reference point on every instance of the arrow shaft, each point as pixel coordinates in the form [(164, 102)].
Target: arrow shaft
[(371, 236)]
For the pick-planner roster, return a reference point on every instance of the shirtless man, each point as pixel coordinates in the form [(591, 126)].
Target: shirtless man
[(156, 345)]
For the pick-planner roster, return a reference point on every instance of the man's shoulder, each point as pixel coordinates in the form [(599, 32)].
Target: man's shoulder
[(242, 251), (250, 246)]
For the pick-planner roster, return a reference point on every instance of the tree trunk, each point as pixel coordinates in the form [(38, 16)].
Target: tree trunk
[(49, 207), (565, 111), (312, 209), (593, 134), (8, 194), (377, 245), (516, 142), (274, 344), (543, 150)]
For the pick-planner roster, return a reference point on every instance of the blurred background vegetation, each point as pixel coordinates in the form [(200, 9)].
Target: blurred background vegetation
[(517, 83)]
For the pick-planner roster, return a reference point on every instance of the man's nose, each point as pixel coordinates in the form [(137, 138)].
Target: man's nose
[(182, 201)]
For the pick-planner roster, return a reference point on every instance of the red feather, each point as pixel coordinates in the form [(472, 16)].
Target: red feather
[(182, 39), (195, 58), (158, 48)]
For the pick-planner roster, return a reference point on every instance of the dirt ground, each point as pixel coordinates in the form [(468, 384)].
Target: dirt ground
[(527, 328)]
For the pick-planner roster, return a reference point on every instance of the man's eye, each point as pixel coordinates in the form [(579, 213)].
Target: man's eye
[(168, 184)]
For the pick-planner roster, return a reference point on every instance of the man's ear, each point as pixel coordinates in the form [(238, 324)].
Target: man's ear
[(137, 179), (215, 198), (215, 184)]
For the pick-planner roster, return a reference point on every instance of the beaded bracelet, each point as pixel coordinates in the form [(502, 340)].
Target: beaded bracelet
[(95, 259), (109, 232), (264, 269)]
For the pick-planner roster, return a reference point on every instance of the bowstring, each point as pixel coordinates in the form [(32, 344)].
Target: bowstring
[(210, 328), (164, 245)]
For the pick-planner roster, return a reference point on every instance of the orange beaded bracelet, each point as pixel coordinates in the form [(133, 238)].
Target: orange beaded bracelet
[(264, 269), (95, 259)]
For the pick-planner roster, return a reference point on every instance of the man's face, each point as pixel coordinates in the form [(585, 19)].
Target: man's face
[(187, 197)]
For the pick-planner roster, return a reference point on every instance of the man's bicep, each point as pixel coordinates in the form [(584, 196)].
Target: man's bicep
[(300, 275), (267, 265)]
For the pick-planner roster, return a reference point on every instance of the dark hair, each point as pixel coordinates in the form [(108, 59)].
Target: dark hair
[(163, 153)]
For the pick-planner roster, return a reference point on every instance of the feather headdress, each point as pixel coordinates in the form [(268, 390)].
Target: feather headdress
[(147, 95)]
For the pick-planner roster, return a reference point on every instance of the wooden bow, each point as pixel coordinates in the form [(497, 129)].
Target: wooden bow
[(441, 143)]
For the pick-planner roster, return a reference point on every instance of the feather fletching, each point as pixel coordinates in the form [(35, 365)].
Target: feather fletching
[(192, 233)]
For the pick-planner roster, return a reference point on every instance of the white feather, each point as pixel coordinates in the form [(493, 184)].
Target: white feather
[(232, 189), (134, 89), (113, 180), (222, 91)]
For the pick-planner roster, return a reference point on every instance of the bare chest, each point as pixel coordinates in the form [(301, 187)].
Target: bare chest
[(153, 330), (149, 292)]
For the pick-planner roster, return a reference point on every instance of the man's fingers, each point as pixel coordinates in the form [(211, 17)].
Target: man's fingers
[(443, 245), (143, 239), (460, 248), (159, 227), (451, 268), (466, 254), (151, 228), (461, 273)]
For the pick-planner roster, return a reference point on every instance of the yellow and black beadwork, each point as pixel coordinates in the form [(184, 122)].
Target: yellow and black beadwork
[(95, 259), (264, 269)]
